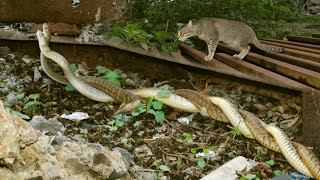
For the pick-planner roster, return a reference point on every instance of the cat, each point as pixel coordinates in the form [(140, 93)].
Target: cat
[(233, 33)]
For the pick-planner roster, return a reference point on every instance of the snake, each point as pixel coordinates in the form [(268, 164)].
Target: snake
[(215, 107)]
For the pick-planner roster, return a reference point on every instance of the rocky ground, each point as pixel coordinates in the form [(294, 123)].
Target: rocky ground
[(99, 146)]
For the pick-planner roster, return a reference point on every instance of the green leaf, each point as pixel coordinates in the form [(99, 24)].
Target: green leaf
[(73, 67), (163, 94), (140, 133), (157, 105), (250, 176), (200, 161), (31, 104), (112, 75), (270, 163), (34, 96), (3, 81), (69, 88), (149, 103), (20, 95), (111, 128), (159, 116), (122, 117), (152, 111), (144, 46), (194, 150), (278, 172), (164, 168), (104, 71), (119, 123), (21, 115), (137, 123), (187, 137)]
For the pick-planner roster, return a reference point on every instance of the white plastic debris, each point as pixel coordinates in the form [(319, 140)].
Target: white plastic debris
[(186, 120), (229, 170), (210, 154), (76, 116)]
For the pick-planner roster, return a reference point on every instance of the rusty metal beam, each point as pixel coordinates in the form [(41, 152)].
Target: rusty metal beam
[(307, 64), (301, 54), (311, 118), (295, 72), (304, 49), (257, 71), (39, 11), (309, 40), (312, 46), (58, 28), (199, 56), (316, 35)]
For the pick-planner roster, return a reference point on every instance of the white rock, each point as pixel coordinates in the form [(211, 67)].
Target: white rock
[(76, 116), (229, 170)]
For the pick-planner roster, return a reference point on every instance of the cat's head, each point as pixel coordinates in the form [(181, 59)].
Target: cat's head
[(186, 31)]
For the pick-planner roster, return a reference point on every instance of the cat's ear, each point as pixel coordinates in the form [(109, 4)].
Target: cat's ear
[(180, 25), (190, 24)]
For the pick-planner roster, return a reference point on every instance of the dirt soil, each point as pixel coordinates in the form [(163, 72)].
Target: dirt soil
[(150, 143)]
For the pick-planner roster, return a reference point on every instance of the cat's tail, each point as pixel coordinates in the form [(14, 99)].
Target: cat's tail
[(266, 48)]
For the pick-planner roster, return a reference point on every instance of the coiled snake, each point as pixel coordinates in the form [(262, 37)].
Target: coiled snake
[(301, 158)]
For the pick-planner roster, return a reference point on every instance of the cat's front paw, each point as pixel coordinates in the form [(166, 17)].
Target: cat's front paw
[(237, 56), (208, 58)]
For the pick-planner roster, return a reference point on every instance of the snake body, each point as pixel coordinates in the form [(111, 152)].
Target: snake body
[(218, 108), (258, 131), (309, 159), (287, 149), (200, 102)]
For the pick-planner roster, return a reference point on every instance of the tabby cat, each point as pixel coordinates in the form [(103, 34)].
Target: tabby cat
[(233, 33)]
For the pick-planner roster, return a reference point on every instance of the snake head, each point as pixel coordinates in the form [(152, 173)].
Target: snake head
[(41, 38), (46, 31)]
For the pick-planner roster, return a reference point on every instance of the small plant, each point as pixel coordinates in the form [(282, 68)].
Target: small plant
[(69, 88), (117, 121), (112, 76), (278, 172), (152, 107), (31, 101), (235, 131), (187, 137), (137, 123), (13, 112), (166, 41), (163, 168), (250, 176), (200, 160), (3, 81), (131, 34), (155, 110), (140, 133), (269, 163)]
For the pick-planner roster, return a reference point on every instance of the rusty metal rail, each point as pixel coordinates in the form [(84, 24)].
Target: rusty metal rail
[(297, 70), (299, 44), (310, 40), (316, 35)]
